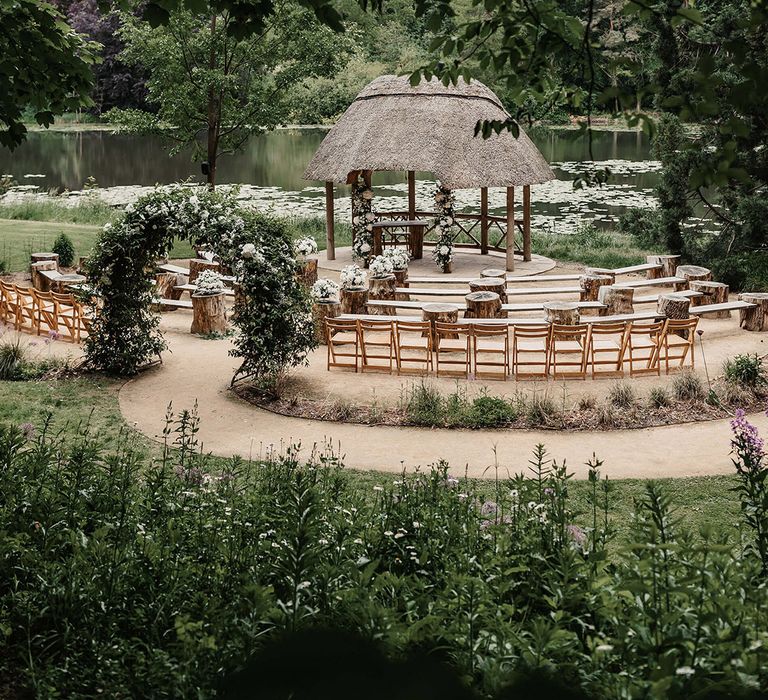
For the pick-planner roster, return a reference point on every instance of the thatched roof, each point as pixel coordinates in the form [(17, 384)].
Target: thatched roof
[(430, 127)]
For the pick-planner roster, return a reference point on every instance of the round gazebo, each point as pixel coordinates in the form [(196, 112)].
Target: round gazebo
[(431, 127)]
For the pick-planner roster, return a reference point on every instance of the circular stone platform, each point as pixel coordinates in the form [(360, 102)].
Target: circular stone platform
[(466, 263)]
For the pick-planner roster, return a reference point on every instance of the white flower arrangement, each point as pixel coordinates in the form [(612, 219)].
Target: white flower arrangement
[(324, 290), (209, 283), (399, 257), (381, 266), (305, 246), (362, 220), (442, 253), (352, 276), (248, 251)]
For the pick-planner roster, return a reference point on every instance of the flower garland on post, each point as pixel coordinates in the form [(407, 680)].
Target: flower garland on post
[(362, 221), (442, 253)]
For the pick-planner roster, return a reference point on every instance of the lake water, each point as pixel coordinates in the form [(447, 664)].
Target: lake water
[(272, 164)]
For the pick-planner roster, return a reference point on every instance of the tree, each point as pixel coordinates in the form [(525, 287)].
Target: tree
[(45, 67), (213, 88)]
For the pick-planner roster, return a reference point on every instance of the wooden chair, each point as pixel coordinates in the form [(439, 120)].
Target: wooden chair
[(343, 342), (415, 338), (530, 341), (71, 316), (491, 342), (8, 304), (607, 347), (677, 342), (45, 311), (643, 344), (377, 342), (453, 339), (25, 305), (568, 351)]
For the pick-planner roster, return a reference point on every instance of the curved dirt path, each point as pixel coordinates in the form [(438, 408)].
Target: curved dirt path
[(200, 370)]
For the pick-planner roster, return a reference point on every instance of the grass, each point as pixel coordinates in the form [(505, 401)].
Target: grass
[(93, 401), (595, 249)]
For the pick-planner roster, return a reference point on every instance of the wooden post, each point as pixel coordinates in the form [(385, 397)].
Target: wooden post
[(755, 318), (484, 221), (411, 195), (510, 229), (330, 245), (527, 223)]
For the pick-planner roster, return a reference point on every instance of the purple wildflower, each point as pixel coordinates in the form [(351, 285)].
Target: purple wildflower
[(53, 336), (746, 440), (192, 475), (488, 508), (28, 430), (578, 535), (549, 492)]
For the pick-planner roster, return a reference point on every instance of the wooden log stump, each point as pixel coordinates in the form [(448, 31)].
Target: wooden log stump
[(756, 318), (442, 313), (197, 266), (668, 267), (690, 273), (81, 263), (713, 293), (44, 257), (676, 307), (483, 305), (209, 314), (354, 300), (322, 310), (382, 288), (165, 283), (401, 280), (590, 289), (618, 300), (490, 284), (41, 281), (494, 272), (306, 272), (600, 272), (63, 283), (563, 313)]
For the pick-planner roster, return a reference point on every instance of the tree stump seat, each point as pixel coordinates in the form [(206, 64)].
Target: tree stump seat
[(590, 288), (440, 313), (354, 300), (306, 272), (490, 284), (39, 281), (401, 280), (711, 293), (209, 314), (382, 288), (617, 300), (44, 257), (756, 318), (668, 267), (690, 273), (322, 310), (196, 266), (674, 306), (483, 304), (494, 273)]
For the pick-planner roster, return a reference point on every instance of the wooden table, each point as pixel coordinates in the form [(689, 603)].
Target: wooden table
[(415, 234)]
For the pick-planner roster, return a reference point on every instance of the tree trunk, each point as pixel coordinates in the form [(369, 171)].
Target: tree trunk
[(714, 293), (45, 257), (320, 311), (382, 288), (756, 318), (490, 284), (676, 307), (306, 273), (562, 313), (354, 301), (618, 300), (600, 272), (214, 113), (590, 288), (39, 281), (209, 315), (401, 280), (689, 273), (495, 273), (164, 287), (442, 313), (483, 305), (196, 266), (668, 264)]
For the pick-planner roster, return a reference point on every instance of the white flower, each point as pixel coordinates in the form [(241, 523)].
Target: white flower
[(399, 257), (367, 194), (604, 647), (324, 290), (352, 276), (686, 671), (444, 250), (365, 247), (381, 266), (248, 250), (305, 246), (370, 216), (209, 283)]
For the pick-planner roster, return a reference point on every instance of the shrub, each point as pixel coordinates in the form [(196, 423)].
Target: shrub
[(608, 416), (490, 412), (687, 386), (747, 370), (425, 405), (13, 356), (65, 249), (541, 409), (622, 395), (659, 397), (588, 402)]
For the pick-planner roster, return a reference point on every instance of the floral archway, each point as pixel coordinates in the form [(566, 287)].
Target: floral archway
[(272, 310)]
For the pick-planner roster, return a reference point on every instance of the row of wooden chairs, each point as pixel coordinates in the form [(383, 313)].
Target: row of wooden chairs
[(26, 308), (498, 351)]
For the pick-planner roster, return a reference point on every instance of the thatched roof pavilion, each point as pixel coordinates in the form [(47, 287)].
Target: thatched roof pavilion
[(430, 127)]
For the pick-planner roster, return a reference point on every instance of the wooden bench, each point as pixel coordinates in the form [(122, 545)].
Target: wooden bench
[(530, 306), (175, 303), (178, 270), (653, 298), (192, 287), (727, 306), (511, 291), (660, 282), (631, 269), (450, 279)]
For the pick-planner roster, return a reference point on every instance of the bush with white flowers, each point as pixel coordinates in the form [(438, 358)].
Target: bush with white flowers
[(324, 290), (362, 220), (380, 266), (353, 277), (442, 253), (209, 283), (271, 311), (305, 246), (399, 257)]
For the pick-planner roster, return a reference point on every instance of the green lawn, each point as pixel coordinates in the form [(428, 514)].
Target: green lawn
[(92, 401)]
